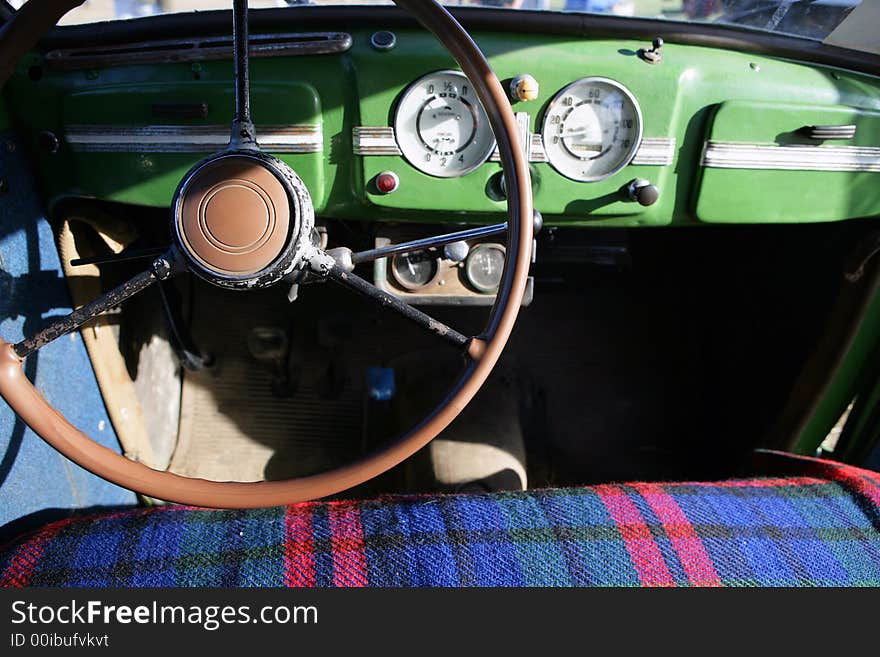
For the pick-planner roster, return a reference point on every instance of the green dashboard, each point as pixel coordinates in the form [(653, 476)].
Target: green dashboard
[(726, 136)]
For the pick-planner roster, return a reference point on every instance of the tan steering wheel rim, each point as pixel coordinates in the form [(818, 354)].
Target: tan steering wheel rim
[(55, 429)]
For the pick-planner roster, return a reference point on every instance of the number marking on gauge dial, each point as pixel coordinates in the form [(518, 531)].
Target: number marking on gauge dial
[(592, 129), (441, 127)]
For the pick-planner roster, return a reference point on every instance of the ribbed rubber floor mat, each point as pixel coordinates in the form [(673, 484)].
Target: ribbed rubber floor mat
[(232, 427)]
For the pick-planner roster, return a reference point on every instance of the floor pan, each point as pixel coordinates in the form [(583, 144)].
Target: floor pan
[(232, 426)]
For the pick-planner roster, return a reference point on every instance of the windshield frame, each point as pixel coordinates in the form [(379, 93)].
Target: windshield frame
[(580, 25)]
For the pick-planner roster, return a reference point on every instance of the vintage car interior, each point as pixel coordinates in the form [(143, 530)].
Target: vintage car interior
[(374, 252)]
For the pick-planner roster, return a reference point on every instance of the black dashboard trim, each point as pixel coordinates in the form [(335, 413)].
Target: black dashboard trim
[(585, 26)]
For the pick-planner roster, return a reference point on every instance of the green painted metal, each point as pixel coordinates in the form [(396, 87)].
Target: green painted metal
[(679, 99), (861, 424), (773, 196), (151, 178), (844, 383), (360, 87)]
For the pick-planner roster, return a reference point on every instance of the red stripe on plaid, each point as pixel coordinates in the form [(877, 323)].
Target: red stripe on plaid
[(863, 482), (642, 548), (858, 480), (347, 544), (767, 482), (691, 552), (22, 566), (299, 546)]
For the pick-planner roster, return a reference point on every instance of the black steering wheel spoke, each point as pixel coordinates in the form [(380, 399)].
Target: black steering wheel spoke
[(349, 259), (265, 214), (386, 300), (162, 268), (244, 135)]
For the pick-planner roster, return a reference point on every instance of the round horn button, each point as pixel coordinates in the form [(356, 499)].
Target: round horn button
[(234, 216), (237, 216)]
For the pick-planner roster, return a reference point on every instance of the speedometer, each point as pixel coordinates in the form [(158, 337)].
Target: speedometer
[(441, 127), (592, 129)]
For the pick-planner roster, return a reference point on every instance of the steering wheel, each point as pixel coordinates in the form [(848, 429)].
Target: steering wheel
[(243, 219)]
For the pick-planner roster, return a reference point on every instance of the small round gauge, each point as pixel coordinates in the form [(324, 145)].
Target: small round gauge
[(416, 270), (441, 127), (484, 266), (592, 129)]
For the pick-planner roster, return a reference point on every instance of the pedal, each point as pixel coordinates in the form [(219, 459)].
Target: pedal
[(270, 346)]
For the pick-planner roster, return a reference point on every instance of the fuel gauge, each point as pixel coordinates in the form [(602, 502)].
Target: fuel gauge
[(416, 270), (484, 267)]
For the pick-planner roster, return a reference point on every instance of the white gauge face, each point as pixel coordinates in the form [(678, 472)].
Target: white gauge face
[(484, 267), (592, 129), (441, 127)]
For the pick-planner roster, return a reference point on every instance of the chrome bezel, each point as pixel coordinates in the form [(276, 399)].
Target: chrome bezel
[(302, 222), (467, 266), (382, 47), (480, 161), (410, 287), (634, 147)]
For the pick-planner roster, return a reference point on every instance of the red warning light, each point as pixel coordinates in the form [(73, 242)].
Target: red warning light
[(387, 182)]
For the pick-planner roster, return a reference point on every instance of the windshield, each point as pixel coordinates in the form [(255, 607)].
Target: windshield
[(814, 19)]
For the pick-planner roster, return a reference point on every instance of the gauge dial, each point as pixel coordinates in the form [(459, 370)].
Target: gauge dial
[(484, 267), (441, 127), (592, 129), (416, 270)]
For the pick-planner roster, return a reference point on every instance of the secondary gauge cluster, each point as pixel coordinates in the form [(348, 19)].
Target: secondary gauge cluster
[(461, 273), (590, 130), (479, 271)]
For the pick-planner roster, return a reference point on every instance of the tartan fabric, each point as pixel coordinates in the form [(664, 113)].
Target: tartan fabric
[(818, 528)]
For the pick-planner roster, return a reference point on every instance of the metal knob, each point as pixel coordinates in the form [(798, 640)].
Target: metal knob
[(456, 251), (537, 222), (654, 55), (524, 87), (643, 192)]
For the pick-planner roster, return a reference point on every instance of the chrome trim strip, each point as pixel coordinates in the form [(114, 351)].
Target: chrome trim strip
[(536, 152), (374, 140), (525, 135), (735, 155), (826, 132), (655, 151), (381, 140), (197, 50), (188, 139)]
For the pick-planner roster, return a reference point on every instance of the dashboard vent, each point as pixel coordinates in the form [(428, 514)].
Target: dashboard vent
[(191, 50)]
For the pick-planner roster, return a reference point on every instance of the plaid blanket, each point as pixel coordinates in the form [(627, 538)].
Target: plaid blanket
[(818, 528)]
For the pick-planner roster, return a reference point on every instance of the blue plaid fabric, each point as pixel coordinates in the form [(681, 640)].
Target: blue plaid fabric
[(819, 528)]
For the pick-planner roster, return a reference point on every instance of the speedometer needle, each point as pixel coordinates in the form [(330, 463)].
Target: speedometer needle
[(587, 146), (576, 132)]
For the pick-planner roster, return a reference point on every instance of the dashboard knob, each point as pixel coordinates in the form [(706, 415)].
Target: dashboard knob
[(383, 40), (643, 192), (524, 87), (537, 222), (456, 251), (654, 55)]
